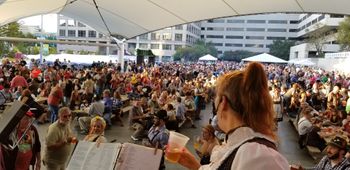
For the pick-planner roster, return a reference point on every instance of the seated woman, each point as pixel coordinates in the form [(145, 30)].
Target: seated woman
[(97, 129), (207, 144)]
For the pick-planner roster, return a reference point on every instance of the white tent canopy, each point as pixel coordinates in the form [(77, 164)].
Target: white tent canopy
[(208, 57), (82, 59), (130, 18), (265, 58)]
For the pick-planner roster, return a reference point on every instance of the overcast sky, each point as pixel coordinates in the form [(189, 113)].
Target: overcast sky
[(50, 22)]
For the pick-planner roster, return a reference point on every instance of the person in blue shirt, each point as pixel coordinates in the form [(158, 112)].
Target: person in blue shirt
[(108, 107), (158, 135)]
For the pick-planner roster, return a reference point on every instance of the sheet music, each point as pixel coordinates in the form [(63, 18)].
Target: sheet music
[(137, 157), (87, 156)]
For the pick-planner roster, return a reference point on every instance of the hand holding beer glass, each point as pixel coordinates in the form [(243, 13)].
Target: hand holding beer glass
[(176, 143)]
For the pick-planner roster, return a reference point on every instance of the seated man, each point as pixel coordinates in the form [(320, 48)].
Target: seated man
[(136, 121), (96, 109), (335, 158)]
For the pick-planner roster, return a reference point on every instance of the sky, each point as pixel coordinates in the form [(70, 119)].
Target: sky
[(49, 22)]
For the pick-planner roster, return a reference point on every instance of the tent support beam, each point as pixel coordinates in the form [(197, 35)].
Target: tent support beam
[(16, 39)]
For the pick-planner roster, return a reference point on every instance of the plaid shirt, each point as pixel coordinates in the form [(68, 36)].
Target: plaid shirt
[(325, 164)]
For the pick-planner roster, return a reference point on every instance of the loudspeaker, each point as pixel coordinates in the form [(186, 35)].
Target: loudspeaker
[(139, 60), (10, 118), (151, 60)]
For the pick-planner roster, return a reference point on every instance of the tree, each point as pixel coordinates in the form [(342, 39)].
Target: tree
[(281, 49), (319, 37), (236, 55), (343, 37), (199, 49), (8, 30)]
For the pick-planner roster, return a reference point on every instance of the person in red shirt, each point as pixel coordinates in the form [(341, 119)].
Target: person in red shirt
[(35, 72), (18, 80), (54, 100)]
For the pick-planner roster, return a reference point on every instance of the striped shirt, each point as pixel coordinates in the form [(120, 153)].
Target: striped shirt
[(325, 163)]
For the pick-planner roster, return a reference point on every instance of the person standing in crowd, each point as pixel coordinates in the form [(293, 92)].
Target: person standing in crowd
[(96, 109), (58, 141), (247, 121), (18, 80), (27, 153), (54, 100), (335, 158), (108, 102)]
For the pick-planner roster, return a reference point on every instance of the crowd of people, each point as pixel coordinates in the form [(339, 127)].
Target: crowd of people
[(248, 101)]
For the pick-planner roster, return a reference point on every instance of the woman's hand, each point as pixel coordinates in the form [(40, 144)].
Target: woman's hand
[(187, 160)]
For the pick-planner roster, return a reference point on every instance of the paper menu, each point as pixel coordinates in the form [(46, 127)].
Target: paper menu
[(87, 156), (114, 156), (137, 157)]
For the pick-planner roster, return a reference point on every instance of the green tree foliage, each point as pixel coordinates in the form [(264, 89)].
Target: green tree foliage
[(52, 50), (343, 37), (319, 37), (281, 49), (199, 49), (236, 55), (10, 48)]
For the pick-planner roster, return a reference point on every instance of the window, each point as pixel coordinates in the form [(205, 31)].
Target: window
[(321, 17), (178, 37), (294, 21), (62, 33), (256, 29), (336, 16), (233, 45), (234, 37), (255, 37), (217, 21), (154, 46), (256, 21), (276, 30), (293, 30), (71, 23), (215, 36), (143, 37), (132, 45), (177, 47), (218, 44), (166, 46), (255, 45), (92, 41), (92, 34), (219, 52), (276, 38), (234, 29), (155, 36), (235, 21), (179, 27), (203, 28), (166, 36), (216, 29), (278, 22), (81, 33), (81, 24), (63, 22), (71, 33), (143, 45)]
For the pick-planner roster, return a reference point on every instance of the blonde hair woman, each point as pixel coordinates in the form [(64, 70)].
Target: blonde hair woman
[(245, 114), (97, 129)]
